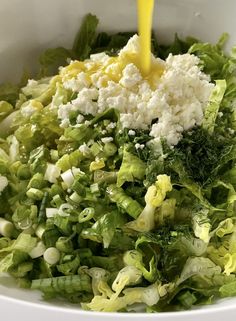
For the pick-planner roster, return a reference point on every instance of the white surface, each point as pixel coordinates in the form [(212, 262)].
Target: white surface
[(29, 26)]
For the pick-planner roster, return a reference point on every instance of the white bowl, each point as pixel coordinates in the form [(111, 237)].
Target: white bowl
[(29, 26)]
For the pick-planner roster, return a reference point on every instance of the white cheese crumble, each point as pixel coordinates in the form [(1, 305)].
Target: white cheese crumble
[(3, 183), (111, 126), (106, 140), (79, 119), (176, 101), (27, 111), (84, 149), (131, 132), (139, 146)]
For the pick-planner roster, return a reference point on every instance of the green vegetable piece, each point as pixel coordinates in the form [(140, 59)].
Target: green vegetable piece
[(5, 109), (154, 198), (105, 177), (129, 205), (37, 181), (35, 194), (52, 59), (6, 228), (86, 215), (69, 268), (12, 261), (50, 236), (9, 93), (42, 209), (132, 168), (105, 227), (85, 38), (214, 106), (109, 149), (51, 255), (67, 284), (187, 299), (228, 290), (64, 244)]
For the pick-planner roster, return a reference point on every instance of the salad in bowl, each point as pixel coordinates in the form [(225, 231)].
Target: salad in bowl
[(117, 189)]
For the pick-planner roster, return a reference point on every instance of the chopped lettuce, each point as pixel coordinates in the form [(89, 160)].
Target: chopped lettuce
[(154, 198), (214, 105), (132, 168)]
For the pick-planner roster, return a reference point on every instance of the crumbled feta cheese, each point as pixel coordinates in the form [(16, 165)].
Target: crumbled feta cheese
[(131, 132), (111, 126), (174, 103), (84, 149), (87, 122), (101, 57), (65, 123), (139, 146), (106, 140), (79, 119), (3, 183), (27, 111), (131, 76), (104, 132), (78, 83), (86, 101)]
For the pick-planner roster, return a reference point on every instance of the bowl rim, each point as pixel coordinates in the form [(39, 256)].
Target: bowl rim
[(50, 307)]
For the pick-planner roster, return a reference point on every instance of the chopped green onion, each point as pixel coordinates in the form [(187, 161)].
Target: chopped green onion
[(6, 227), (54, 155), (86, 215), (51, 255), (76, 198), (35, 194), (63, 209), (102, 177), (50, 236), (129, 205), (40, 230), (51, 212), (52, 173), (67, 284), (109, 149), (96, 148), (68, 177), (70, 267), (94, 188), (42, 212), (38, 250), (64, 244), (57, 201)]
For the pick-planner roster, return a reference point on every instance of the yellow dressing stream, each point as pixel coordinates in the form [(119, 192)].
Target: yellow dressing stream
[(113, 67), (145, 12)]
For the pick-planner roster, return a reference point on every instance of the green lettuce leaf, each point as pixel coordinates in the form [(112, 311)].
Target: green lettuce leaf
[(104, 229), (85, 38), (214, 106), (132, 168), (9, 93)]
